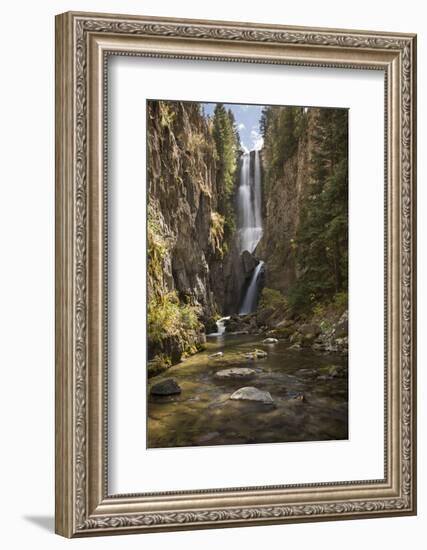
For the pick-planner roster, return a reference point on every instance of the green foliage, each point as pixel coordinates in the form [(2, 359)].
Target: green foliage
[(271, 298), (319, 310), (336, 306), (282, 128), (159, 364), (341, 300), (227, 144), (327, 313), (320, 246), (167, 113), (195, 141), (157, 250), (322, 236), (303, 294), (167, 316)]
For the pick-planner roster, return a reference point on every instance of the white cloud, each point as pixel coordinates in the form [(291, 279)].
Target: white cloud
[(241, 126), (257, 139)]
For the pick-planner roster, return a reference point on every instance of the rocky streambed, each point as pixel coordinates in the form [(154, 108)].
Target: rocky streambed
[(246, 389)]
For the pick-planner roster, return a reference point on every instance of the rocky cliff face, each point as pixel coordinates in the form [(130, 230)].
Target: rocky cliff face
[(183, 196), (185, 229), (283, 201)]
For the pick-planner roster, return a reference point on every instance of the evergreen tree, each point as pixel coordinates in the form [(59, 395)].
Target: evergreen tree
[(322, 237), (321, 243), (227, 145)]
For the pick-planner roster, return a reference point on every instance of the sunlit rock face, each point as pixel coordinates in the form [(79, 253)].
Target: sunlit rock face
[(283, 202)]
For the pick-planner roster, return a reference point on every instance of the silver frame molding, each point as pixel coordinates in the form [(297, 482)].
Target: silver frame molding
[(83, 43)]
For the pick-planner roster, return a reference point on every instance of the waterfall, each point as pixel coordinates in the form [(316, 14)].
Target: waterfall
[(250, 301), (250, 221), (249, 203), (220, 325)]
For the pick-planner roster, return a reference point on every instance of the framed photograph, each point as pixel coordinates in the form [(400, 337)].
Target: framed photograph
[(235, 274)]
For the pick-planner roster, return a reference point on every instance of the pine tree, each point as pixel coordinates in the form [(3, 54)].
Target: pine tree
[(227, 145), (321, 243), (322, 237)]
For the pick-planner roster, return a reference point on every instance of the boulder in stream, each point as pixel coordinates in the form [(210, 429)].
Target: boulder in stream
[(270, 341), (235, 373), (256, 354), (165, 387), (298, 397), (250, 393), (216, 355), (297, 345)]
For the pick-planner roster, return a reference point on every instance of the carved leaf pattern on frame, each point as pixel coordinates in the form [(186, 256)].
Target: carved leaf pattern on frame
[(210, 31)]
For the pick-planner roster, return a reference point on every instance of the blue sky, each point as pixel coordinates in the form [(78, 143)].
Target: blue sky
[(247, 120)]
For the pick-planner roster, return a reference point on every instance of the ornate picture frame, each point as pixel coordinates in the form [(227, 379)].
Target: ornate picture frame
[(84, 42)]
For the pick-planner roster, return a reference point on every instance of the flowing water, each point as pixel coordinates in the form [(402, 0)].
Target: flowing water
[(249, 223), (250, 300), (309, 389), (203, 414), (220, 325)]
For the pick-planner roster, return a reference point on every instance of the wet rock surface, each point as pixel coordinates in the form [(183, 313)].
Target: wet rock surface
[(250, 393), (165, 387), (309, 390), (235, 373)]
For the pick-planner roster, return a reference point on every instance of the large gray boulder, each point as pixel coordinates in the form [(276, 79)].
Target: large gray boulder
[(165, 387), (250, 393)]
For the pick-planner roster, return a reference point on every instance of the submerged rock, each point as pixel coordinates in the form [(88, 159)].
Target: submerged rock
[(297, 345), (298, 397), (337, 371), (256, 354), (235, 373), (281, 332), (165, 387), (270, 341), (250, 393), (307, 372), (215, 355)]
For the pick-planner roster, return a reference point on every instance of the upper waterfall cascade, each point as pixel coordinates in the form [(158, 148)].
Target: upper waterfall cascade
[(249, 203)]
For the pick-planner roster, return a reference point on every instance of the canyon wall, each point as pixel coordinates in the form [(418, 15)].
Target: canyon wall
[(187, 245), (283, 200), (305, 240)]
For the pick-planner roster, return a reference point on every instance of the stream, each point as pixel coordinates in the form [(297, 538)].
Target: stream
[(203, 414), (307, 391)]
